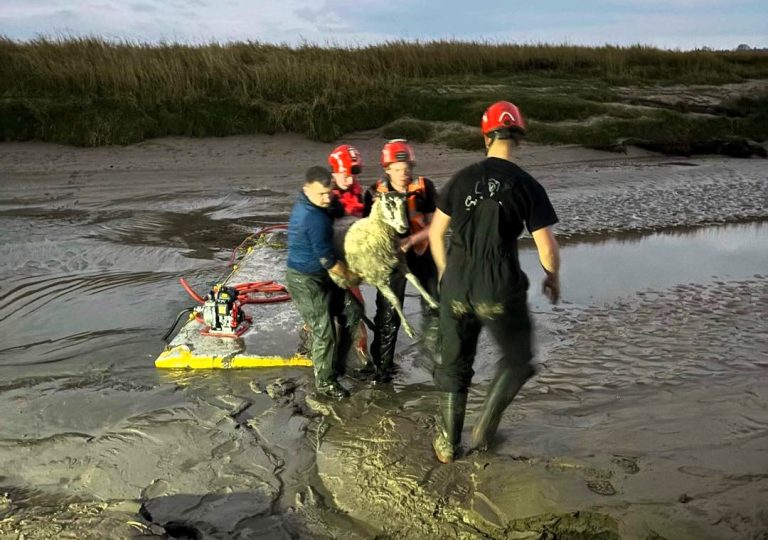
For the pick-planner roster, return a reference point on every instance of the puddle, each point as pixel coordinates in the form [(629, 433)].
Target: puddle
[(603, 270)]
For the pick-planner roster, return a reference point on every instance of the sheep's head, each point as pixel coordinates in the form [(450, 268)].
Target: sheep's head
[(393, 210)]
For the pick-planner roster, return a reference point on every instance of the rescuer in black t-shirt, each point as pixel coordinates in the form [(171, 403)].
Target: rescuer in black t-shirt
[(486, 206)]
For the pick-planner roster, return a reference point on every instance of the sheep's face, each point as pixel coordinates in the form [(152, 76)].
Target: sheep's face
[(394, 211)]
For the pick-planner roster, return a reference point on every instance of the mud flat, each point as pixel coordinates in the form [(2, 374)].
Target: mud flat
[(647, 418)]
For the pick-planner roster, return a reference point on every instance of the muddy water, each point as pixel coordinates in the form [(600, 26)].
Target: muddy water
[(89, 263)]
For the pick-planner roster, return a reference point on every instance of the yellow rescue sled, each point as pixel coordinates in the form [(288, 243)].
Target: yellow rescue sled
[(240, 322), (180, 357)]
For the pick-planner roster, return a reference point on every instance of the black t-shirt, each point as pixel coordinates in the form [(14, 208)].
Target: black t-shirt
[(489, 203)]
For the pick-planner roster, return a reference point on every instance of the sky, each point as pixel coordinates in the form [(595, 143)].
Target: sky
[(669, 24)]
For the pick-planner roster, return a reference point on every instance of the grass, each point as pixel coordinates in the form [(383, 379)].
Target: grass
[(87, 91)]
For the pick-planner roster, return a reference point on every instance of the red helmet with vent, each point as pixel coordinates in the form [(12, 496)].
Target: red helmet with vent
[(397, 150), (502, 115), (345, 159)]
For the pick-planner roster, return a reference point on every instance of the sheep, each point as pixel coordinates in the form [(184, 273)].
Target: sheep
[(372, 251)]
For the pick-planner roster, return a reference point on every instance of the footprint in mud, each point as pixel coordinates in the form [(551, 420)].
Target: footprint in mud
[(452, 481), (627, 464), (281, 387), (601, 487)]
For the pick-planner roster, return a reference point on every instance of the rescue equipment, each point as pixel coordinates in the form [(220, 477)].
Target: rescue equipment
[(222, 313), (351, 199), (397, 150), (181, 357), (345, 159), (222, 308), (502, 116)]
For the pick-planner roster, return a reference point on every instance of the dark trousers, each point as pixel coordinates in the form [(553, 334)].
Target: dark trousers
[(464, 310), (322, 304), (387, 322)]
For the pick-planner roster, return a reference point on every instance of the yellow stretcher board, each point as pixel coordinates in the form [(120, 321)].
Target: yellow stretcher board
[(180, 357), (271, 341)]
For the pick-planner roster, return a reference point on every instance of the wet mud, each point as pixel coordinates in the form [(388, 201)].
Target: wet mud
[(646, 419)]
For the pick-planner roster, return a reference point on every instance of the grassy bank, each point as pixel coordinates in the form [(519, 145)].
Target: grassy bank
[(91, 92)]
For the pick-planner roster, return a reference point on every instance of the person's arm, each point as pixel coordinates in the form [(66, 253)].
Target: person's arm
[(549, 256), (437, 230), (323, 249), (341, 270), (408, 242), (336, 209), (321, 236), (430, 205), (320, 232)]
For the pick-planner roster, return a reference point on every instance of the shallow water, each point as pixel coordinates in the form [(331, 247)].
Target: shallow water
[(88, 278), (602, 269)]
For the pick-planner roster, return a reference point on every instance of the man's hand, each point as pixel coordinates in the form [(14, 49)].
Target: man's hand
[(351, 277), (549, 256), (405, 244), (551, 287)]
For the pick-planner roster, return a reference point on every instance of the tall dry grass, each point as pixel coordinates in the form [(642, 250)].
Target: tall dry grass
[(90, 91)]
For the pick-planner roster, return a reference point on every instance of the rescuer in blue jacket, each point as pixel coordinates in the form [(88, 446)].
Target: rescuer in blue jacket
[(317, 298)]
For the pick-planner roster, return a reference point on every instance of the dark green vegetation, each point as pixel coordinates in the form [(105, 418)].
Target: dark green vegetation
[(92, 92)]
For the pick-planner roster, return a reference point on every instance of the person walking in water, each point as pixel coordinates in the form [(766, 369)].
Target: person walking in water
[(486, 205)]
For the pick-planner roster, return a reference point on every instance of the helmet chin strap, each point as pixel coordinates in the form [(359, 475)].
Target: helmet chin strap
[(503, 151), (491, 140)]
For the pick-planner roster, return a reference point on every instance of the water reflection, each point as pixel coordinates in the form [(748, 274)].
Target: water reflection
[(603, 269)]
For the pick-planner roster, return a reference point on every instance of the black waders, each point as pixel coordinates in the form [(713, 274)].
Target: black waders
[(501, 392), (448, 437)]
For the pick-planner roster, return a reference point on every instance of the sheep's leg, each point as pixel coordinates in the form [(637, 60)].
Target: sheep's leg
[(422, 291), (389, 294)]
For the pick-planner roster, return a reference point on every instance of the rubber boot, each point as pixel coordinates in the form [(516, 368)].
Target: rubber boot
[(502, 391), (387, 323), (448, 437), (384, 341)]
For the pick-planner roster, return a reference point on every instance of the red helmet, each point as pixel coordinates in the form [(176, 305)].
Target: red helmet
[(345, 159), (397, 150), (502, 115)]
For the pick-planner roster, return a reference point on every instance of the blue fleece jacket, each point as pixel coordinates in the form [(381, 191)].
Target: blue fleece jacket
[(310, 238)]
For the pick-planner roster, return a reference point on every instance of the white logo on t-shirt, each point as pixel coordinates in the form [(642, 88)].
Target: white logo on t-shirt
[(493, 187)]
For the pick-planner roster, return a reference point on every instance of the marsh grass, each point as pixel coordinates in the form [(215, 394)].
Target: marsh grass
[(413, 129), (88, 91)]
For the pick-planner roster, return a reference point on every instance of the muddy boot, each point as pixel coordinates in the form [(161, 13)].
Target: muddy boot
[(384, 366), (383, 374), (500, 394), (448, 437), (387, 324)]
